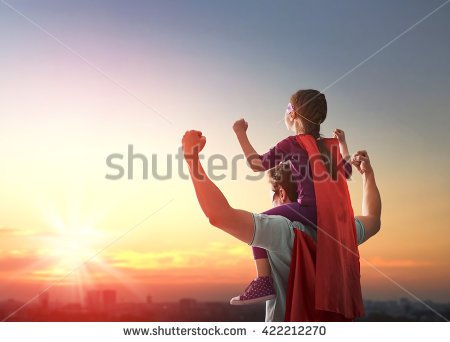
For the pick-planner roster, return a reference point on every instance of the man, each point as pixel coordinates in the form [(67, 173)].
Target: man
[(273, 233)]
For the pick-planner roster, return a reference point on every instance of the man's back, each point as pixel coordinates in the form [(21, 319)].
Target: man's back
[(276, 235)]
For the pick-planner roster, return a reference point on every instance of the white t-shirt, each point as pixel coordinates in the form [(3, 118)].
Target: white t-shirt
[(276, 235)]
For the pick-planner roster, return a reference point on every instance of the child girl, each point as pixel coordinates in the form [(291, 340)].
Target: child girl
[(306, 111)]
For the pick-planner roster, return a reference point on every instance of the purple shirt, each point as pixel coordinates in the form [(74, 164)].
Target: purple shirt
[(289, 149)]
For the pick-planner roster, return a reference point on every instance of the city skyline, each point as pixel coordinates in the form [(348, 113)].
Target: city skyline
[(102, 305)]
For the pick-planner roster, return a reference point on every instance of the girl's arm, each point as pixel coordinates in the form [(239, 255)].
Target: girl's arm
[(344, 151), (340, 136), (253, 159)]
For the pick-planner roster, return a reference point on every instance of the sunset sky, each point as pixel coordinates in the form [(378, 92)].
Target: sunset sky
[(80, 80)]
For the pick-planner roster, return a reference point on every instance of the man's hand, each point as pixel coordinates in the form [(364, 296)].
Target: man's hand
[(193, 142), (362, 162), (240, 126), (339, 135)]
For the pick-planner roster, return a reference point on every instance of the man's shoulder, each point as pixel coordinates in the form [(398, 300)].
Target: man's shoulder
[(279, 221), (308, 230), (274, 219), (271, 231)]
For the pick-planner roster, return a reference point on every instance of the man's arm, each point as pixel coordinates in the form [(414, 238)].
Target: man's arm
[(240, 128), (238, 223), (371, 201)]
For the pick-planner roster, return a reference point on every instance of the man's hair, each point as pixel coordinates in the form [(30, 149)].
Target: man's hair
[(281, 177)]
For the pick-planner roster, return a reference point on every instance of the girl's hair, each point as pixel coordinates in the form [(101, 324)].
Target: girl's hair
[(310, 107), (281, 176)]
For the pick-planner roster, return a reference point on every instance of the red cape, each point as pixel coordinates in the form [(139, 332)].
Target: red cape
[(324, 280)]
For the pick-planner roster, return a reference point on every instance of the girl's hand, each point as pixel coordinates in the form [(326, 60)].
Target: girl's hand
[(339, 135), (240, 126)]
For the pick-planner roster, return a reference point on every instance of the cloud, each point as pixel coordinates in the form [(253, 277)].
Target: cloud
[(6, 231), (15, 232), (218, 255), (217, 262), (17, 262), (400, 263)]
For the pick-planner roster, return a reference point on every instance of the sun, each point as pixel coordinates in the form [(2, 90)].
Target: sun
[(73, 246), (74, 250)]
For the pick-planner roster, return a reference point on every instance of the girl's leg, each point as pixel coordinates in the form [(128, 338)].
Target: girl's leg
[(261, 288), (263, 268), (261, 262)]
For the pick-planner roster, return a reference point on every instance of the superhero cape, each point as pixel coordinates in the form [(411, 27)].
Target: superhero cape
[(324, 279)]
